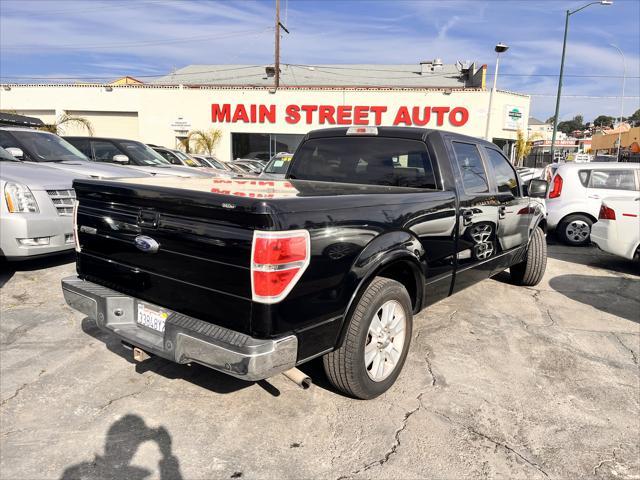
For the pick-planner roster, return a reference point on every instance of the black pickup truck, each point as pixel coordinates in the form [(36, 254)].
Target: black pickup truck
[(253, 277)]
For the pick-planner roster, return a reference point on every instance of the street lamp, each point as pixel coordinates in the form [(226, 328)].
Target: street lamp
[(564, 48), (499, 48), (624, 77)]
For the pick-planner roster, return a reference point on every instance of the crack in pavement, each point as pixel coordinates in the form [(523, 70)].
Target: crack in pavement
[(606, 460), (20, 388), (396, 443), (504, 445), (634, 357), (509, 449), (433, 377), (113, 400)]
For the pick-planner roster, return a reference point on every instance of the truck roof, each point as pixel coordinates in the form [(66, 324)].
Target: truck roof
[(412, 133)]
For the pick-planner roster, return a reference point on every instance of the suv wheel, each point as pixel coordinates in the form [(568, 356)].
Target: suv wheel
[(376, 344), (575, 229), (530, 272)]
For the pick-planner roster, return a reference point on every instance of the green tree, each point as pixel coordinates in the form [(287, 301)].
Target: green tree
[(201, 141), (568, 126), (65, 120), (634, 119), (604, 121), (550, 120)]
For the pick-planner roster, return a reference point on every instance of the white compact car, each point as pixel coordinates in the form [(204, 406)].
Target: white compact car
[(576, 191), (618, 228)]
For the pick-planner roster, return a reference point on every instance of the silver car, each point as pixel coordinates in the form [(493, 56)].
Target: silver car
[(35, 146), (36, 210)]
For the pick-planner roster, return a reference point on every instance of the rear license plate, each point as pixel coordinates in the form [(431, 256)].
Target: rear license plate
[(151, 317)]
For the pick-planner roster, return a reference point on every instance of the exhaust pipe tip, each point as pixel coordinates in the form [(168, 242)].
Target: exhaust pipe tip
[(299, 378)]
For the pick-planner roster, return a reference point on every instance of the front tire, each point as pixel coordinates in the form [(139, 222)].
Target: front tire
[(376, 343), (575, 230), (530, 272)]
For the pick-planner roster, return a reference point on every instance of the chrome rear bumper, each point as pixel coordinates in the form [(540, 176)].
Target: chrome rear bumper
[(185, 339)]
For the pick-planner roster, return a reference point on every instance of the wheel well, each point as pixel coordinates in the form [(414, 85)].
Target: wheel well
[(588, 215), (543, 225), (403, 273)]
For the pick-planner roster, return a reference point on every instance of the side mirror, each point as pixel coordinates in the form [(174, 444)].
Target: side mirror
[(120, 158), (538, 188), (16, 152)]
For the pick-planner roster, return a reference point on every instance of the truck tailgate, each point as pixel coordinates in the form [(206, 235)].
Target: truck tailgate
[(201, 267)]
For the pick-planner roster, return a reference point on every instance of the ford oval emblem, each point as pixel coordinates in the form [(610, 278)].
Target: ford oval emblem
[(146, 244)]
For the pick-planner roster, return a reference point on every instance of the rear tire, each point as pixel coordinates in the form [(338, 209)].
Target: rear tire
[(376, 343), (575, 230), (530, 272)]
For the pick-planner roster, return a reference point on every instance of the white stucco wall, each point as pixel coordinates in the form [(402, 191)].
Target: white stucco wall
[(158, 107)]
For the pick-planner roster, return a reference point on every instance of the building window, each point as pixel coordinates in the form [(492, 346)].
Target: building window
[(262, 146)]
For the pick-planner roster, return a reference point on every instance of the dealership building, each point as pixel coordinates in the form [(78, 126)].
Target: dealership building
[(256, 119)]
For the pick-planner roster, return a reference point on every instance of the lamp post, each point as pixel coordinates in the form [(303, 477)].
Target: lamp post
[(564, 49), (624, 77), (499, 48)]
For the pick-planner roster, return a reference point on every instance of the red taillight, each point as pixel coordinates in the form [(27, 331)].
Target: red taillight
[(606, 213), (556, 188), (278, 260)]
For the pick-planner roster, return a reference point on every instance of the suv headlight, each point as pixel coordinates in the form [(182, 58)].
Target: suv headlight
[(20, 199)]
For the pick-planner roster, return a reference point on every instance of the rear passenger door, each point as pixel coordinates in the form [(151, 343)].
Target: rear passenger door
[(477, 216), (514, 212)]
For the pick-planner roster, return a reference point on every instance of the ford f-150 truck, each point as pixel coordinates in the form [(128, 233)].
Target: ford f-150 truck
[(253, 277)]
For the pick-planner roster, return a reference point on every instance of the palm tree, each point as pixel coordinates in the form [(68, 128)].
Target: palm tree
[(201, 141), (64, 120), (523, 146)]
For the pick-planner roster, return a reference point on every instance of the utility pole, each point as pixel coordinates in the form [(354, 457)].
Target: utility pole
[(277, 59)]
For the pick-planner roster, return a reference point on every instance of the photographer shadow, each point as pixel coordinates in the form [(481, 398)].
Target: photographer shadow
[(124, 437)]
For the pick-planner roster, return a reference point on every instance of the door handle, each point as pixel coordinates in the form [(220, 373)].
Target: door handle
[(467, 216), (502, 212), (597, 197)]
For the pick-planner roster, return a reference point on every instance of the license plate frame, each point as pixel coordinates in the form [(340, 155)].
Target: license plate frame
[(151, 317)]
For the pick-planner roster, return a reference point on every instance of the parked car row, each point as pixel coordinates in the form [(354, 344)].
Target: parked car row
[(38, 169)]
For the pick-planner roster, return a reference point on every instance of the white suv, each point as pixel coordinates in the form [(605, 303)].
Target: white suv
[(576, 192)]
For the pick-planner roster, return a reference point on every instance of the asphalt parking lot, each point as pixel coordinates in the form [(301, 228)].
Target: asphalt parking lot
[(501, 381)]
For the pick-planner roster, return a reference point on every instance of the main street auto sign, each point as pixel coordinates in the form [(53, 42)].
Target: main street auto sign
[(293, 114), (513, 118)]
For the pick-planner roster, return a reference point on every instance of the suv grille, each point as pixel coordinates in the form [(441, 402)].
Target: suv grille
[(63, 200)]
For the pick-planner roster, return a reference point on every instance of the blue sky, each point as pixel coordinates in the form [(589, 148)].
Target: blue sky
[(104, 39)]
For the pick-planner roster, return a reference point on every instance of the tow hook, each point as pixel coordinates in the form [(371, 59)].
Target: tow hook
[(299, 378)]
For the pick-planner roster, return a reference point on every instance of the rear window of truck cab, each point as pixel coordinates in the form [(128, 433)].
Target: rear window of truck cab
[(365, 160)]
